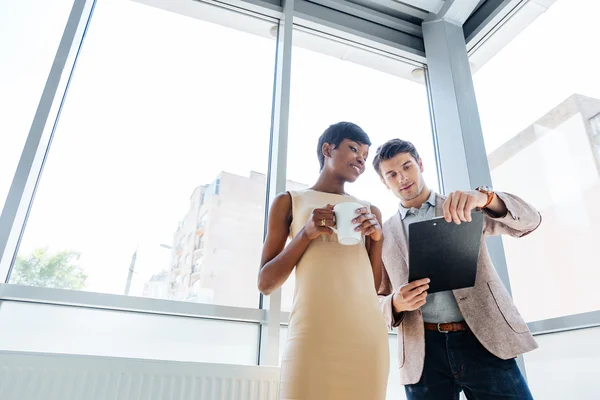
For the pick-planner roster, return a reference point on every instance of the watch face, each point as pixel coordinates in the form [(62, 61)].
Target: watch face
[(484, 189)]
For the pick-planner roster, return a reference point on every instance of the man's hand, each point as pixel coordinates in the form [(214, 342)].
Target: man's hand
[(458, 205), (411, 296)]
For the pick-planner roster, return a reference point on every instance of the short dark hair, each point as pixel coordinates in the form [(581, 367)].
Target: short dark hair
[(391, 149), (336, 134)]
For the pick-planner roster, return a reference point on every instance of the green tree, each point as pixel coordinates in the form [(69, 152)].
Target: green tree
[(49, 270)]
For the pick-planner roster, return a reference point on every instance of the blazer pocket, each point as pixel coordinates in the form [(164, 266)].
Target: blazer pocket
[(400, 332), (507, 307)]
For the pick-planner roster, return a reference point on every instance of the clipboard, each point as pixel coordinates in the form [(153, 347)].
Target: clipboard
[(445, 252)]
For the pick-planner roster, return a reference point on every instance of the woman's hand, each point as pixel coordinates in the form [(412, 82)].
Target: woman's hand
[(369, 224), (320, 222)]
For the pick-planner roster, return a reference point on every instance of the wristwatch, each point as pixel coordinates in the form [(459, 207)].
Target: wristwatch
[(487, 191)]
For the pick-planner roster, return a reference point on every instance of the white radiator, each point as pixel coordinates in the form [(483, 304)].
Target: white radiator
[(35, 376)]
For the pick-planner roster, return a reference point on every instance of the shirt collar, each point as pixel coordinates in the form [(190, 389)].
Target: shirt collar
[(431, 201)]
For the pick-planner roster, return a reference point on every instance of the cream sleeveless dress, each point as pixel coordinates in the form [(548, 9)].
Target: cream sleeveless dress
[(337, 346)]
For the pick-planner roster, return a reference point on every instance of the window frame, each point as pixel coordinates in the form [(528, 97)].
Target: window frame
[(287, 17)]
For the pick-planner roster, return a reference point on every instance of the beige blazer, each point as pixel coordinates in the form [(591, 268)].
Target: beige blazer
[(487, 307)]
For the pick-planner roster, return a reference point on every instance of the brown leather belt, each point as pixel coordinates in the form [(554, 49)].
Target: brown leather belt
[(445, 328)]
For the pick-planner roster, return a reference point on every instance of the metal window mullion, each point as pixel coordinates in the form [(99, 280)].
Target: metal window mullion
[(462, 157), (20, 196), (276, 179), (461, 150), (565, 323), (115, 302)]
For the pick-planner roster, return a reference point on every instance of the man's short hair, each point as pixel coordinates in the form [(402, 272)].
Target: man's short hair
[(336, 134), (391, 149)]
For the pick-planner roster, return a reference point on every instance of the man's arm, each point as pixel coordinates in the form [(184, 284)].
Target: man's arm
[(514, 216), (505, 214), (386, 300), (395, 304)]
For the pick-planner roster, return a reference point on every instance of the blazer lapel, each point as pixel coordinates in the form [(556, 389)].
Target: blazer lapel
[(439, 205), (399, 237)]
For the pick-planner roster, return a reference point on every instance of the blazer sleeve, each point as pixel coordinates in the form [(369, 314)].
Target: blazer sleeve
[(520, 220), (385, 293)]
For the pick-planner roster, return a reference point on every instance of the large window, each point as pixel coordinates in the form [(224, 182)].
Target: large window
[(539, 99), (155, 181), (30, 31), (386, 104)]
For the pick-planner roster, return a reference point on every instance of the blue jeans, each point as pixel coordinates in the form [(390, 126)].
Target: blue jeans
[(457, 361)]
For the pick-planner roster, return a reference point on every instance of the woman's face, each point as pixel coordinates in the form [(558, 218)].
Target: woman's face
[(347, 160)]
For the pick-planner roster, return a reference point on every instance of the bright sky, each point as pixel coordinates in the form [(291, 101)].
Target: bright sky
[(161, 103)]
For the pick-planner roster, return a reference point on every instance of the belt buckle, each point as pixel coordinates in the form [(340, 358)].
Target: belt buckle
[(439, 330)]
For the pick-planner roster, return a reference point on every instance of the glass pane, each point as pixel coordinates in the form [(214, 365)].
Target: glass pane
[(30, 31), (383, 101), (595, 121), (565, 366), (536, 99), (154, 185), (74, 330)]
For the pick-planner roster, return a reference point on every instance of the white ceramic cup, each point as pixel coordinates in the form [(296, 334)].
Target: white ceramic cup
[(344, 214)]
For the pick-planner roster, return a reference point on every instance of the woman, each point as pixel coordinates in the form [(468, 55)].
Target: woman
[(337, 345)]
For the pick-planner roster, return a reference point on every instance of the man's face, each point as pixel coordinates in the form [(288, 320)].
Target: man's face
[(403, 175)]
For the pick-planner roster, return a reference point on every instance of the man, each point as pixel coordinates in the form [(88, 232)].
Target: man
[(464, 339)]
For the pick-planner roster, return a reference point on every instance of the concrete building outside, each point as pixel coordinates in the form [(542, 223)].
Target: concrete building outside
[(216, 248), (555, 165)]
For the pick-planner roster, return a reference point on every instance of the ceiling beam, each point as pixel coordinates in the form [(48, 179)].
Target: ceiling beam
[(402, 7), (323, 19), (431, 6), (455, 11), (372, 15)]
